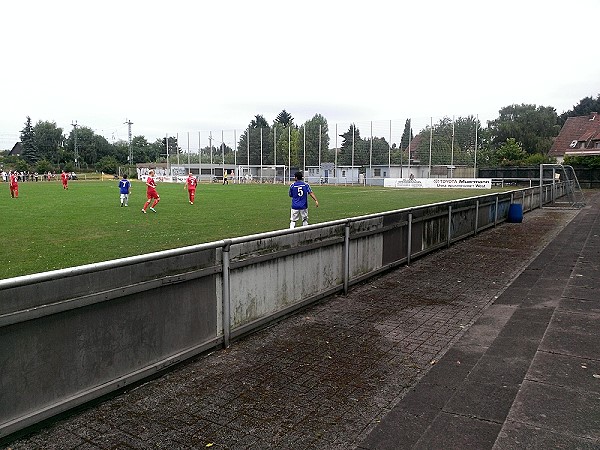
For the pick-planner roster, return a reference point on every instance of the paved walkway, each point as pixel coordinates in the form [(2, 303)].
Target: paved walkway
[(527, 373), (487, 344)]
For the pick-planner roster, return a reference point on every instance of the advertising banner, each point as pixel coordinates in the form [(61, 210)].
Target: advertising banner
[(453, 183)]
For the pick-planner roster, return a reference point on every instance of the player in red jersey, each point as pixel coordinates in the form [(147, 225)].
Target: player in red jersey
[(151, 193), (65, 179), (190, 184), (13, 184)]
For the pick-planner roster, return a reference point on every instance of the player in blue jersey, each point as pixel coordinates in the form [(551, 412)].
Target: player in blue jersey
[(124, 186), (299, 191)]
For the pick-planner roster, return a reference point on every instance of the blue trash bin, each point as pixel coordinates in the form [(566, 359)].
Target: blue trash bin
[(515, 213)]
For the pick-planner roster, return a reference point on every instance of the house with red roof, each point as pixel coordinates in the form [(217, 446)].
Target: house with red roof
[(579, 136)]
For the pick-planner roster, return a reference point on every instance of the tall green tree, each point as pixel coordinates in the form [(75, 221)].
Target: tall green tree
[(30, 151), (379, 151), (285, 134), (158, 150), (284, 118), (143, 151), (258, 140), (168, 147), (288, 144), (466, 135), (90, 146), (316, 140), (510, 153), (49, 139), (407, 135), (353, 148), (453, 142), (120, 152), (535, 127), (585, 106)]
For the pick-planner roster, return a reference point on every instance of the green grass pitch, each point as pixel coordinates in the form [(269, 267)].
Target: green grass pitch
[(49, 228)]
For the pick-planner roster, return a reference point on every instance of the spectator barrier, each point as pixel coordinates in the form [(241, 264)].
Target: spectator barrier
[(72, 335)]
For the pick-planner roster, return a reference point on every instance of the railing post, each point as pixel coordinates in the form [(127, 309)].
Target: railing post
[(226, 297), (409, 238), (476, 216), (496, 212), (541, 186), (449, 225), (346, 256)]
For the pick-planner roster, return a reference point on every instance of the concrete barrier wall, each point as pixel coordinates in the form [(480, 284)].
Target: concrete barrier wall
[(69, 336)]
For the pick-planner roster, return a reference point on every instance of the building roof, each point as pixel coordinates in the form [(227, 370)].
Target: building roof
[(16, 150), (577, 134)]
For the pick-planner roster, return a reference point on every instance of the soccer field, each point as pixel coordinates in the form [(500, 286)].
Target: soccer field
[(49, 228)]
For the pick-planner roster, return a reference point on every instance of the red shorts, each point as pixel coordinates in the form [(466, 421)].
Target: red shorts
[(151, 193)]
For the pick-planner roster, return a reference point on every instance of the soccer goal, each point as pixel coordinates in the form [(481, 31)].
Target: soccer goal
[(563, 174), (262, 174)]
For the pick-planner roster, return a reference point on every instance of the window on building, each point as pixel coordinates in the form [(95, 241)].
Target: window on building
[(377, 172)]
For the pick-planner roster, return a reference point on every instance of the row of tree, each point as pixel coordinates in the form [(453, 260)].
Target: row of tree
[(522, 134)]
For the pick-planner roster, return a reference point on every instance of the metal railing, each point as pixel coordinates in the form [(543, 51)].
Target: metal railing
[(73, 335)]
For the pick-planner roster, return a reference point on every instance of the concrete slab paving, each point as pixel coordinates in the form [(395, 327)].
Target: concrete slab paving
[(558, 408), (519, 436), (458, 431), (564, 370), (569, 334)]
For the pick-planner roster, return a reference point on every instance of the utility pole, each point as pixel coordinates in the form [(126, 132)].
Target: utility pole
[(212, 173), (75, 142), (130, 157)]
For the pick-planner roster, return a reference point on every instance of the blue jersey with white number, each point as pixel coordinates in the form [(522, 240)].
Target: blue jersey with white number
[(299, 191), (124, 185)]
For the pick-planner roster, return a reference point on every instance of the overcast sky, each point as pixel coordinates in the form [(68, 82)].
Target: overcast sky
[(177, 66)]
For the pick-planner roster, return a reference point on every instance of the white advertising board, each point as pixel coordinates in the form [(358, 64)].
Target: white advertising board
[(454, 183)]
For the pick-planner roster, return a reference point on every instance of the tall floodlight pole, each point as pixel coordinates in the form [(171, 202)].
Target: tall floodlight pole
[(352, 169), (75, 142), (430, 144), (211, 160), (235, 149), (130, 157), (475, 161), (452, 151), (371, 152), (261, 155), (390, 154), (289, 152), (248, 151), (336, 154), (409, 142), (275, 151), (320, 126), (304, 152), (167, 144)]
